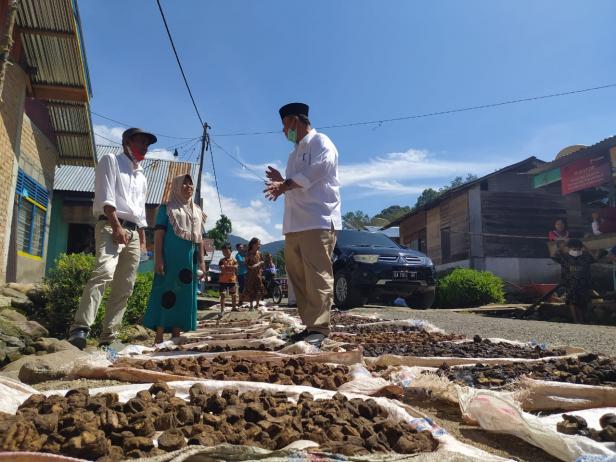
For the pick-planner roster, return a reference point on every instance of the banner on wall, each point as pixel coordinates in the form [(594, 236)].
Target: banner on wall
[(586, 173)]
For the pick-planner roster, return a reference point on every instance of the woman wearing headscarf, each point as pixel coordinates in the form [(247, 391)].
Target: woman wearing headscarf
[(178, 254)]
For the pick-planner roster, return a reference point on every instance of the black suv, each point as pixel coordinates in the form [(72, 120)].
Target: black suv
[(370, 265)]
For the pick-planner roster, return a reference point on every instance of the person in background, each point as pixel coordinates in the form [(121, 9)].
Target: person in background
[(178, 254), (240, 257), (228, 278), (269, 269), (119, 205), (596, 223), (575, 262), (254, 289), (560, 232)]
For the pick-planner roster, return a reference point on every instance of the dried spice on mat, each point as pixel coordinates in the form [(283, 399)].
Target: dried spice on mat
[(576, 425), (398, 337), (102, 428), (479, 348), (588, 369), (342, 319), (294, 371), (219, 348)]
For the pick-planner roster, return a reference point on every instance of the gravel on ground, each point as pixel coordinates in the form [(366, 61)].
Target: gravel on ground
[(592, 338)]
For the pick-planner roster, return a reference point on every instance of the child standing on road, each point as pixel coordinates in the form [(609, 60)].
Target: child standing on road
[(576, 278), (228, 278)]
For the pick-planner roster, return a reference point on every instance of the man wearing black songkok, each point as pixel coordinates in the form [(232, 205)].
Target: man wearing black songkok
[(311, 218)]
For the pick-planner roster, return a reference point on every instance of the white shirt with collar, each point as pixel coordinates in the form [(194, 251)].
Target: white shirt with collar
[(313, 165), (120, 184)]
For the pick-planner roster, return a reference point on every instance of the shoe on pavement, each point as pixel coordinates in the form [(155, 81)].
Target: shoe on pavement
[(315, 339), (299, 336), (78, 338)]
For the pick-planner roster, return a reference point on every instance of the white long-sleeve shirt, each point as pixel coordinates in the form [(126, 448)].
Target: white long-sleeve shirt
[(313, 165), (120, 184)]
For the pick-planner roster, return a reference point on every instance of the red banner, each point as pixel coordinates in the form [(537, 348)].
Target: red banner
[(585, 173)]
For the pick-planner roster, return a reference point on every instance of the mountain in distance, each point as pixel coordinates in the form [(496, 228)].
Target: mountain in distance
[(272, 247), (234, 240)]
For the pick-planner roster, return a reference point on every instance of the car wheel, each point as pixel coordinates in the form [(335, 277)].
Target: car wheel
[(277, 294), (345, 296), (421, 300)]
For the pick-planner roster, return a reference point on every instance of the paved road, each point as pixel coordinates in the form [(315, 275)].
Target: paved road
[(598, 339)]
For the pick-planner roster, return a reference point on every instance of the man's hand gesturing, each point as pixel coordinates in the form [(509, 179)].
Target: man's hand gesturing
[(273, 175)]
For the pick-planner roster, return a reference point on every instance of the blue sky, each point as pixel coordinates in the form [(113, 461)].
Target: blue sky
[(354, 61)]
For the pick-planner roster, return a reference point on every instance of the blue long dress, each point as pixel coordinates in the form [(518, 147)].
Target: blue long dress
[(173, 299)]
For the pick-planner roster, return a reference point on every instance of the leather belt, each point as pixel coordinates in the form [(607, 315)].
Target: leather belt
[(125, 223)]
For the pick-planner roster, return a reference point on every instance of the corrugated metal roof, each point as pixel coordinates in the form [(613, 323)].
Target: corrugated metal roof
[(157, 171), (601, 147), (52, 44)]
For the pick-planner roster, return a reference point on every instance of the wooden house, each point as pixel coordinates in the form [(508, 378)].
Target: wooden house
[(498, 223)]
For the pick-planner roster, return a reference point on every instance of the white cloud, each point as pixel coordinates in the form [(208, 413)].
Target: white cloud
[(409, 165), (108, 135), (391, 188), (253, 220), (163, 154), (256, 172), (278, 226)]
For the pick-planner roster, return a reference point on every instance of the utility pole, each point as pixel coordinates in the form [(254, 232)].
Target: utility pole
[(205, 144)]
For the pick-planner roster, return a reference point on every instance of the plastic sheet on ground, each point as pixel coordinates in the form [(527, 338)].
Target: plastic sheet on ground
[(531, 394), (449, 449), (496, 412), (591, 416), (12, 394)]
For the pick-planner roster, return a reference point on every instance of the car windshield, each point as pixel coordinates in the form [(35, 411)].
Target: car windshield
[(347, 238)]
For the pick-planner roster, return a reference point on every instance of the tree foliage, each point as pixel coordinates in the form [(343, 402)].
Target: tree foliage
[(221, 231), (355, 220), (430, 194), (389, 214)]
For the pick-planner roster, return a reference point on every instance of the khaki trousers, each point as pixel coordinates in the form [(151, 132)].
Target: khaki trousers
[(115, 263), (308, 258)]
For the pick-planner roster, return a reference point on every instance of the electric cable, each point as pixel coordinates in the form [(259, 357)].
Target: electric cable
[(124, 124), (215, 177), (433, 114), (259, 177), (162, 14)]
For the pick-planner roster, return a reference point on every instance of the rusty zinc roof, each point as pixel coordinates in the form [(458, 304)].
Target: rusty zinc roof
[(157, 171), (53, 47)]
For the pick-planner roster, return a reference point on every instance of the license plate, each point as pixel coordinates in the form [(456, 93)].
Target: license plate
[(405, 274)]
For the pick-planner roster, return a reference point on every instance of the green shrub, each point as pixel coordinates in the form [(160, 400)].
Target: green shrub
[(465, 288), (65, 283)]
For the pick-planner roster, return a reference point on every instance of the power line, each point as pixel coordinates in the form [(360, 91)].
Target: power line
[(435, 113), (168, 148), (132, 125), (259, 177), (162, 14), (108, 139), (215, 177)]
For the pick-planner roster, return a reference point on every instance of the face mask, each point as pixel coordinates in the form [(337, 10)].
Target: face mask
[(137, 154), (575, 253), (292, 135)]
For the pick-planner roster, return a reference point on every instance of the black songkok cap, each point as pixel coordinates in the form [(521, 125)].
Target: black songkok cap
[(293, 109)]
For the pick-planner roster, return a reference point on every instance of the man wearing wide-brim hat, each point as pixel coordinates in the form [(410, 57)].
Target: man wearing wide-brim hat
[(311, 218), (119, 209)]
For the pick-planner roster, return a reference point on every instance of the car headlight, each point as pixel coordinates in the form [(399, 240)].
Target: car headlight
[(428, 261), (370, 259)]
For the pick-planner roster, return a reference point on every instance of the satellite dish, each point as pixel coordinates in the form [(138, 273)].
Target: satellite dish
[(569, 150)]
